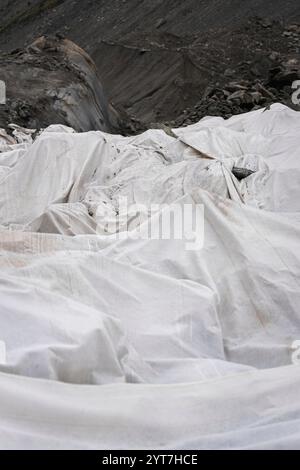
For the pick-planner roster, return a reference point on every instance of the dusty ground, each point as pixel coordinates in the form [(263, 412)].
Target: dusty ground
[(172, 62)]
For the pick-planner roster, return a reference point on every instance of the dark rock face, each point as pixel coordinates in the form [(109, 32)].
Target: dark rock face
[(167, 62), (55, 81)]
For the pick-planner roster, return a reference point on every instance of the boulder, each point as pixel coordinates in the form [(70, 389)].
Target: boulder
[(55, 81)]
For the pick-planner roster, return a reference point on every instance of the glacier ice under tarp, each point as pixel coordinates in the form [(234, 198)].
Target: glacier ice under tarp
[(121, 343)]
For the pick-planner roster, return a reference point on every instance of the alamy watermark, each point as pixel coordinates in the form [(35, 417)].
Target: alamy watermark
[(2, 92), (154, 222), (296, 94), (296, 353)]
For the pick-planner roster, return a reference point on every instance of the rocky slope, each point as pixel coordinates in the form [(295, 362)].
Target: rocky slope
[(55, 81), (172, 62)]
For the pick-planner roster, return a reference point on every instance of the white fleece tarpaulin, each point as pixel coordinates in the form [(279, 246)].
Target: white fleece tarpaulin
[(128, 342)]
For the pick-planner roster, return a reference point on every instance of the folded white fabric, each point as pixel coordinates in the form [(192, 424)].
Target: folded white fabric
[(157, 345)]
